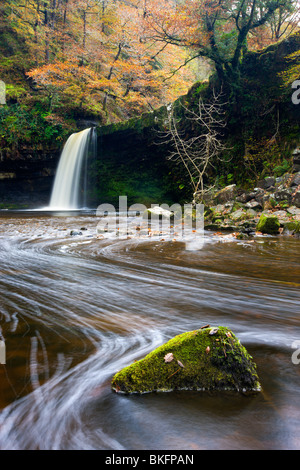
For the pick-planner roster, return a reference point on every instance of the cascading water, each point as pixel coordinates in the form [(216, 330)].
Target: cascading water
[(73, 161)]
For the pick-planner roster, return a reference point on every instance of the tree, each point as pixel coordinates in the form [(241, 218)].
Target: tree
[(292, 72), (105, 57), (216, 29), (195, 154)]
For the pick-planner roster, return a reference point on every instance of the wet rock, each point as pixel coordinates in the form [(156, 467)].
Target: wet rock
[(210, 362), (160, 212), (228, 228), (226, 194), (242, 236), (268, 224), (212, 226), (73, 233)]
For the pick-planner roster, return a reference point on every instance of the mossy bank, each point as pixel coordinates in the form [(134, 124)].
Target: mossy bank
[(206, 359)]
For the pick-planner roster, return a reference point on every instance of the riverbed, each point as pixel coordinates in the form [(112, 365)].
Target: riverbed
[(76, 309)]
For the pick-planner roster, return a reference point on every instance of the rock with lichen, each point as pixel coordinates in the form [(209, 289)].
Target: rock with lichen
[(206, 359)]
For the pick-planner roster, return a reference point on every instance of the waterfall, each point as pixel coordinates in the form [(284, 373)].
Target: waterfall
[(72, 167)]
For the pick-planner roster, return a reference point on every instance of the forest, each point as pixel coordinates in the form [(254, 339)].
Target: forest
[(112, 60)]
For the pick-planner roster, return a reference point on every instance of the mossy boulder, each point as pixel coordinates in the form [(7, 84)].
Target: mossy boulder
[(268, 224), (292, 227), (206, 359)]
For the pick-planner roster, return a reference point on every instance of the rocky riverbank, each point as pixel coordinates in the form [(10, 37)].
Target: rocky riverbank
[(273, 207)]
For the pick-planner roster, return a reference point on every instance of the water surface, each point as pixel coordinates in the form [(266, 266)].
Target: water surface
[(76, 309)]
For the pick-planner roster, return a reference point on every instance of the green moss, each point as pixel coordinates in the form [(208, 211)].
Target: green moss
[(292, 227), (201, 361), (268, 224)]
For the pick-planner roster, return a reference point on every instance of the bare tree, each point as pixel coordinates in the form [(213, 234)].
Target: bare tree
[(199, 152)]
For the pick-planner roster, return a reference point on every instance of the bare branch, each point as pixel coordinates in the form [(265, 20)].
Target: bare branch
[(198, 152)]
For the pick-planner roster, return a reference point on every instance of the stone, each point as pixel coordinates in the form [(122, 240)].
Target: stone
[(296, 179), (280, 214), (218, 208), (257, 194), (254, 205), (213, 226), (268, 224), (75, 232), (283, 194), (296, 159), (251, 213), (291, 228), (243, 198), (296, 198), (238, 214), (226, 194), (201, 361), (293, 210), (159, 211), (267, 183)]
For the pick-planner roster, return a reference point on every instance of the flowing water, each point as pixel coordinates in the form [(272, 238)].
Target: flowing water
[(72, 164), (76, 309)]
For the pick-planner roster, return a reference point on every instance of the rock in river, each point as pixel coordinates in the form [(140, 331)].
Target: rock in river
[(268, 224), (205, 359)]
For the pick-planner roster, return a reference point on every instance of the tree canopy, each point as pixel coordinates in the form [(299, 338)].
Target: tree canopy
[(222, 30)]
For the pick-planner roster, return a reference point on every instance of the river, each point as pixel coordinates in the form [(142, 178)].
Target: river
[(76, 309)]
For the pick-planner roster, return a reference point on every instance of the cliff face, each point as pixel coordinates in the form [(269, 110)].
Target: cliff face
[(132, 162), (27, 183)]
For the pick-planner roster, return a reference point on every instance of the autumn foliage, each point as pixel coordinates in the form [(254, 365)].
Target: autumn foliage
[(95, 55), (118, 59)]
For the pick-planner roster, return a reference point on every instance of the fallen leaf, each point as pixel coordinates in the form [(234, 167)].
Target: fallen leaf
[(180, 364), (213, 331), (207, 349), (169, 357)]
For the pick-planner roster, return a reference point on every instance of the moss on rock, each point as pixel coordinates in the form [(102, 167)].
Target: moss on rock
[(204, 359), (292, 227), (268, 224)]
